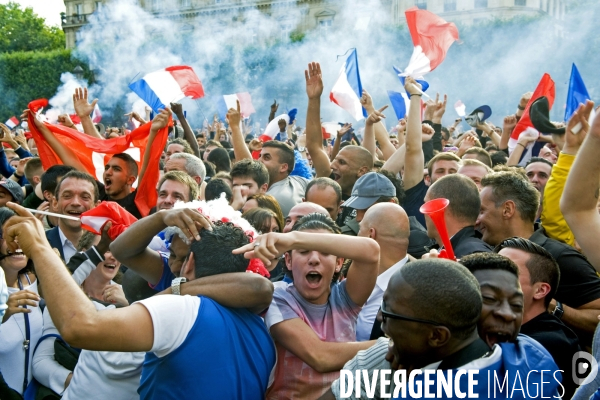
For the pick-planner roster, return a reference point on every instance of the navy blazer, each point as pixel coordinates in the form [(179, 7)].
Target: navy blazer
[(53, 237)]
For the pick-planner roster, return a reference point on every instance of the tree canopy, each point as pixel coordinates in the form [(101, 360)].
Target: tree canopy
[(23, 30)]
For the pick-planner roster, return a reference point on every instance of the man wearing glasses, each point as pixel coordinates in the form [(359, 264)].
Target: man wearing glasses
[(430, 313)]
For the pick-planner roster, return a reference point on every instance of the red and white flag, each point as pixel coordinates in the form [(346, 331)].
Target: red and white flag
[(432, 36), (12, 122), (544, 88), (94, 153), (108, 211)]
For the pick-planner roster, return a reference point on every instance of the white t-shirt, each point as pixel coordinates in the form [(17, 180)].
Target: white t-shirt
[(171, 328), (12, 335)]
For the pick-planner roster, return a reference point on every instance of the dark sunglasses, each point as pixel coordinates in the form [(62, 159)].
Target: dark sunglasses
[(387, 314)]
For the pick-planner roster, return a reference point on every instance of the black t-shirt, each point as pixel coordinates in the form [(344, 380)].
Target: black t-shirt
[(560, 341), (415, 198), (579, 282), (127, 202)]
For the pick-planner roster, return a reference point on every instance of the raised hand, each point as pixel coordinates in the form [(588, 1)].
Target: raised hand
[(366, 100), (525, 99), (439, 108), (427, 132), (80, 102), (274, 106), (234, 115), (65, 119), (376, 116), (580, 119), (509, 123), (161, 119), (314, 81), (344, 129), (411, 86), (177, 108), (24, 231)]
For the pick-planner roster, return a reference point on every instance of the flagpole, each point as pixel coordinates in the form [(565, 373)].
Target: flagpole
[(53, 214)]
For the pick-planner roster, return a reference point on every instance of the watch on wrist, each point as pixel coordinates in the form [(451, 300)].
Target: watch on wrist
[(176, 285), (558, 310)]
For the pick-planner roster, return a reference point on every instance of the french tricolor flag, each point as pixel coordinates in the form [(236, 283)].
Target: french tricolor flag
[(347, 91), (230, 101), (432, 37), (159, 88), (12, 122)]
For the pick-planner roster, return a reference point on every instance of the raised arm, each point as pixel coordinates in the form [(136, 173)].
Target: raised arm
[(240, 149), (296, 336), (396, 162), (314, 135), (66, 155), (381, 135), (188, 133), (509, 123), (373, 119), (363, 251), (83, 109), (159, 122), (580, 197), (338, 140), (415, 160), (522, 143)]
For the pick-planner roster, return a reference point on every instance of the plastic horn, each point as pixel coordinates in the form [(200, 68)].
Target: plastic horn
[(436, 209)]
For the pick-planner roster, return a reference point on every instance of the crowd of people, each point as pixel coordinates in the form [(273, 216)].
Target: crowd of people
[(348, 272)]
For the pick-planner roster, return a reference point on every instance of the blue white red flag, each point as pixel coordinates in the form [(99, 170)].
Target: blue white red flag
[(347, 91), (230, 101)]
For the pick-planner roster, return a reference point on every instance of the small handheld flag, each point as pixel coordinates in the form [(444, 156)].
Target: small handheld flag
[(347, 91), (400, 103), (460, 108), (12, 122), (577, 95), (230, 101), (159, 88)]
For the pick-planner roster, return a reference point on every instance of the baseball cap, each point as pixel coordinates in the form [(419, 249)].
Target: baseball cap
[(14, 189), (368, 189), (479, 115)]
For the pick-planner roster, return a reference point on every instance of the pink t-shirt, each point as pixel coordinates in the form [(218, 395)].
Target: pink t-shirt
[(334, 321)]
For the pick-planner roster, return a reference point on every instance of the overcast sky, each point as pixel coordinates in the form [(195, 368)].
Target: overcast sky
[(48, 9)]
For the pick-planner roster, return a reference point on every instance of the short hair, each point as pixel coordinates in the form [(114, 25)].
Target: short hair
[(182, 177), (315, 221), (223, 175), (270, 202), (324, 182), (132, 167), (213, 253), (476, 163), (250, 169), (445, 133), (213, 143), (210, 169), (182, 142), (462, 193), (215, 187), (441, 157), (193, 165), (534, 160), (362, 156), (541, 265), (83, 176), (481, 155), (285, 153), (484, 261), (33, 168), (260, 219), (52, 175), (220, 158), (507, 185), (456, 306), (499, 158), (397, 182)]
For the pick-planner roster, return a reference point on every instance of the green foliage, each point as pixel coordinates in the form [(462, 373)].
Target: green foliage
[(297, 37), (23, 30), (26, 76)]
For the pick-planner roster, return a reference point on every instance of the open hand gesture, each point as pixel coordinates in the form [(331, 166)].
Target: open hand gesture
[(80, 102), (314, 81)]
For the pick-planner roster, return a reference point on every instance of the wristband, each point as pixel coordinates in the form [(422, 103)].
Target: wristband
[(558, 310), (522, 145), (521, 108), (416, 94)]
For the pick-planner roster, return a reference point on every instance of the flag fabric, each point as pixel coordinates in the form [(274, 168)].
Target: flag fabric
[(12, 122), (272, 128), (460, 108), (432, 37), (402, 77), (159, 88), (400, 103), (94, 153), (347, 91), (230, 101), (544, 88), (577, 93), (108, 211), (96, 114)]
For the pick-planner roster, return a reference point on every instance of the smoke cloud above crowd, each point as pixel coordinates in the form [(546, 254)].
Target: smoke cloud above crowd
[(251, 51)]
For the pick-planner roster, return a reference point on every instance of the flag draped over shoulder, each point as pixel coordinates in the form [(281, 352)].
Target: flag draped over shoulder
[(544, 88), (432, 36), (94, 153)]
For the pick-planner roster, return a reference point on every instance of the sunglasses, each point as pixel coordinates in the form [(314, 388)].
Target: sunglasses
[(386, 314)]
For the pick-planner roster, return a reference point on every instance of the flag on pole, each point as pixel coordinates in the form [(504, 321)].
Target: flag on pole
[(577, 93), (160, 88), (544, 88), (400, 103), (12, 122), (347, 91), (432, 37), (402, 77), (230, 101), (94, 153)]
